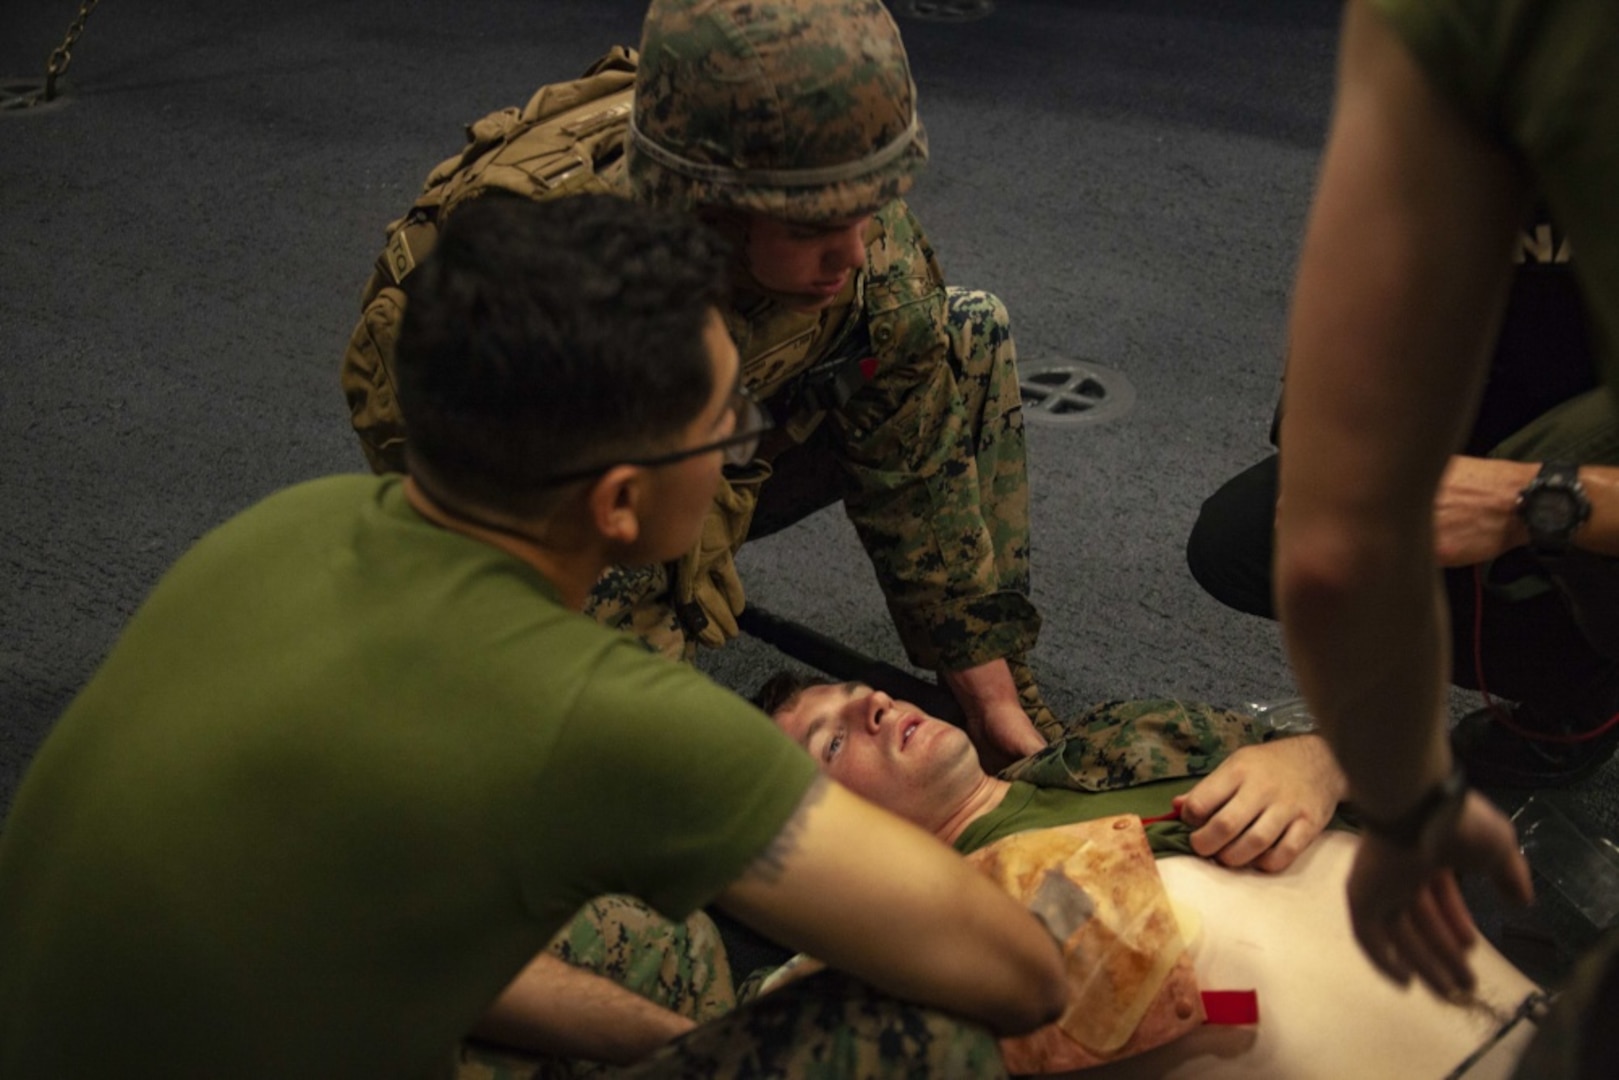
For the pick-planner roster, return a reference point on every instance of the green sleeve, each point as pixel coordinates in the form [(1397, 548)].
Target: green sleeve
[(1458, 45), (1537, 75), (669, 784)]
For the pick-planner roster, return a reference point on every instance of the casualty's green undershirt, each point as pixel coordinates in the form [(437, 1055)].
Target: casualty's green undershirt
[(1028, 807)]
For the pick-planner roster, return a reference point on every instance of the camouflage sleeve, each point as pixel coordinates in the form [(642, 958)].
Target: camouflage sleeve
[(935, 451), (1118, 744)]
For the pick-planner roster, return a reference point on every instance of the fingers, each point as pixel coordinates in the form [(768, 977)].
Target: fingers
[(1439, 930), (1250, 842), (1494, 845), (1212, 837), (1236, 826), (1004, 737), (728, 583), (1441, 919), (1451, 908), (1209, 795), (1410, 918), (1377, 942), (1247, 830), (1511, 875), (1430, 939), (1407, 909), (1264, 804), (1280, 856), (1418, 942), (1271, 842)]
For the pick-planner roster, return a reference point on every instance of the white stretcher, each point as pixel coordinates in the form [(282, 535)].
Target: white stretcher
[(1324, 1012)]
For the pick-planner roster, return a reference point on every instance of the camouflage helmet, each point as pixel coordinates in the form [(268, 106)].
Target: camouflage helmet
[(802, 110)]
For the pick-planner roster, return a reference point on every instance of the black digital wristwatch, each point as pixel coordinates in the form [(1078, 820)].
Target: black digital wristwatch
[(1553, 507)]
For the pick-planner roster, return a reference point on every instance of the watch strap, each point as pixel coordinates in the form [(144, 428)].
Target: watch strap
[(1414, 828)]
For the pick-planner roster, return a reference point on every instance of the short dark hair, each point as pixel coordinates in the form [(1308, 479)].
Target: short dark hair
[(783, 688), (540, 337)]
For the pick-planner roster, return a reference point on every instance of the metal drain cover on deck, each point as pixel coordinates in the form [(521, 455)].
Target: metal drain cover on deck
[(25, 96), (943, 10), (1066, 392), (19, 94)]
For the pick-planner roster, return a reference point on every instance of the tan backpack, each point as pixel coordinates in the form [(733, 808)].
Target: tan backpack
[(568, 139)]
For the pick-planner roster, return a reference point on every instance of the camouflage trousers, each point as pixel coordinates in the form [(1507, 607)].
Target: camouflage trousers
[(822, 1027), (943, 624)]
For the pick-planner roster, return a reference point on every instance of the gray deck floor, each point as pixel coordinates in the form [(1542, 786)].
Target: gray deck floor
[(183, 239)]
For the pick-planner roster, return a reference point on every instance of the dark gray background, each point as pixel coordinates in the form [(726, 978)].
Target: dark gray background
[(183, 241)]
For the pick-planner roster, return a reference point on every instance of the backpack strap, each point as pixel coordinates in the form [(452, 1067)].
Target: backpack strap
[(567, 139)]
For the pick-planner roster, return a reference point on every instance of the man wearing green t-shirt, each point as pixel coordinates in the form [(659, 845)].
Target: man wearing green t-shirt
[(1448, 114), (324, 804)]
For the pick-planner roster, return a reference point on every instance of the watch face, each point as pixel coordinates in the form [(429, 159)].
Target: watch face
[(1550, 510)]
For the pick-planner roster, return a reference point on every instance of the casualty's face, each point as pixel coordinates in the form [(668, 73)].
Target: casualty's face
[(806, 265), (888, 751)]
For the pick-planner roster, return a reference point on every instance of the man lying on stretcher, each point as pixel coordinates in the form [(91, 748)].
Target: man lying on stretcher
[(1260, 804), (1205, 782)]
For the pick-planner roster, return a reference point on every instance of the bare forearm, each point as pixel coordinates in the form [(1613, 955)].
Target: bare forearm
[(1476, 517), (875, 896), (1405, 257), (969, 956), (999, 727), (1372, 658), (1406, 253), (556, 1008)]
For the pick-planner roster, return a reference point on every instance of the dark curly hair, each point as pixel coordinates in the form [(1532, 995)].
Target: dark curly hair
[(541, 337)]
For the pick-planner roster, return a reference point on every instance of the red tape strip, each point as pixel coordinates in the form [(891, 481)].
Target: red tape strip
[(1231, 1007), (1173, 815)]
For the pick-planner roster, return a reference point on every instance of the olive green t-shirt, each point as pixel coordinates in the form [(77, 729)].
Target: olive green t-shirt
[(1538, 77), (1028, 807), (342, 776)]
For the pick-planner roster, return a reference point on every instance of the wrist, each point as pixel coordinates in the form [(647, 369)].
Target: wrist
[(1504, 500), (983, 689), (676, 1025), (1425, 824)]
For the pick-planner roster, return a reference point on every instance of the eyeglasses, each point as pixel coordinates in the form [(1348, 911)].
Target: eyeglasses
[(752, 421)]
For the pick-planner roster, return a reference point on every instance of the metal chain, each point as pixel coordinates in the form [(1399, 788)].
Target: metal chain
[(62, 56)]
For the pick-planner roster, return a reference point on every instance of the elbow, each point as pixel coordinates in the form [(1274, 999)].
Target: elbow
[(1321, 574), (1042, 997), (1053, 997), (1310, 588)]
